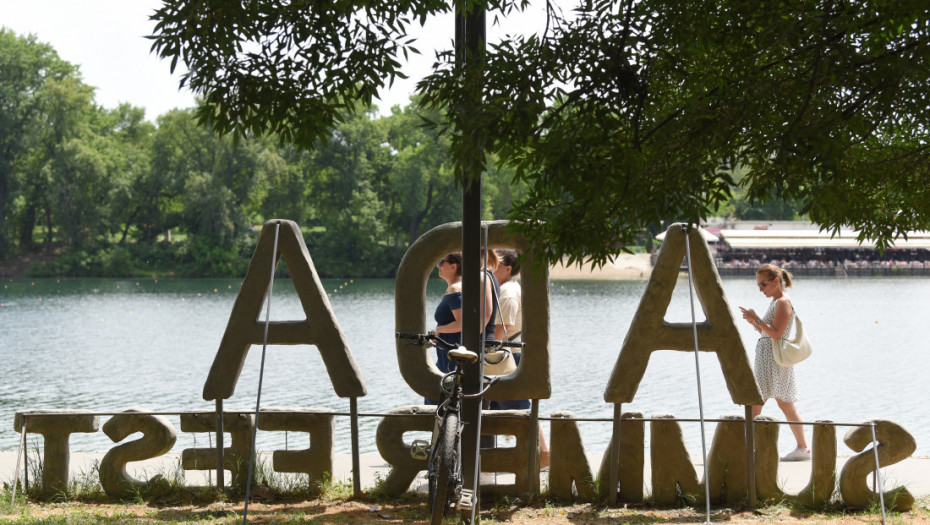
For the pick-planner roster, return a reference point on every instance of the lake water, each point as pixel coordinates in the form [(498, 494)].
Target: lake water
[(107, 345)]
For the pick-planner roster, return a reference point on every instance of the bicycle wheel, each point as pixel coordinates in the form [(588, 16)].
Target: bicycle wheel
[(444, 475)]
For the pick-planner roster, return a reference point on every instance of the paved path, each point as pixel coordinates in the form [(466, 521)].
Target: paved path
[(913, 473)]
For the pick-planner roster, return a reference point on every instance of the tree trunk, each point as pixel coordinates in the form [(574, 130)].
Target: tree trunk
[(71, 229), (28, 226), (414, 231), (4, 243), (49, 231), (132, 216)]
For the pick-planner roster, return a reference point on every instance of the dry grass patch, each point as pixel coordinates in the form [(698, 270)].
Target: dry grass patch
[(412, 509)]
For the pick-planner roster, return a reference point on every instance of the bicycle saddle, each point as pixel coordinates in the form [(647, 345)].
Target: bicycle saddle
[(463, 354)]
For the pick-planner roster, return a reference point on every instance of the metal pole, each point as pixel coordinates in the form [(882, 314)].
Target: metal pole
[(472, 382), (881, 494), (614, 476), (261, 373), (356, 463), (26, 466), (469, 52), (480, 375), (220, 454), (533, 485), (697, 365), (22, 443), (209, 473), (750, 457)]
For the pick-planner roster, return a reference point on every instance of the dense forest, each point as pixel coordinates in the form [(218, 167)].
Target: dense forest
[(111, 193), (120, 195)]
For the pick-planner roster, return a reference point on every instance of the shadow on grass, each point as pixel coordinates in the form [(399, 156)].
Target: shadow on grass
[(299, 511)]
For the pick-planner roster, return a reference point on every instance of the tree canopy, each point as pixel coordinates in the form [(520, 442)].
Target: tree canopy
[(31, 77), (617, 114)]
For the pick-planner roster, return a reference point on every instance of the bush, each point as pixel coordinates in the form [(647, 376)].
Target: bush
[(148, 258), (203, 259), (115, 262), (343, 254), (74, 263), (106, 261)]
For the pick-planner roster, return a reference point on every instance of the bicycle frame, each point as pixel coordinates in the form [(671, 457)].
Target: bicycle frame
[(444, 466)]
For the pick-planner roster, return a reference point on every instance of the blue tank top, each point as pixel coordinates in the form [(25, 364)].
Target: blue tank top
[(443, 315)]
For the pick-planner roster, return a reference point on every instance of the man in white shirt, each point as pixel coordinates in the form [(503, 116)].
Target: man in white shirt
[(510, 327), (510, 318)]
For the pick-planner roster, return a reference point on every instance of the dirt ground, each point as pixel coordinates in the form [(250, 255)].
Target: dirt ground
[(413, 510), (15, 267)]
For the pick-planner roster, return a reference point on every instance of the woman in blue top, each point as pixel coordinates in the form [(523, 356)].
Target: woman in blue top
[(448, 313), (492, 292)]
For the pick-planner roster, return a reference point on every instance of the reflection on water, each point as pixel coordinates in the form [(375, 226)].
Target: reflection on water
[(108, 345)]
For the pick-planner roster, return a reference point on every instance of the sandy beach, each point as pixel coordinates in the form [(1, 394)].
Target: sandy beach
[(631, 267)]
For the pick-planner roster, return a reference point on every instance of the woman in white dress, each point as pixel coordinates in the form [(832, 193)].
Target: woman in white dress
[(775, 380)]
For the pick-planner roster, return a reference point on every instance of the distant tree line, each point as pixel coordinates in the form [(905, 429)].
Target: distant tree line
[(109, 189)]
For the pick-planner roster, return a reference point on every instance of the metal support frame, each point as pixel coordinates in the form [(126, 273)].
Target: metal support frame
[(356, 461), (697, 369), (533, 480), (220, 457), (26, 465), (22, 444), (614, 458), (878, 478), (750, 458), (261, 374), (209, 472)]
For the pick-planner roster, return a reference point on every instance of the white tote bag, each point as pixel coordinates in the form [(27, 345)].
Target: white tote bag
[(789, 352)]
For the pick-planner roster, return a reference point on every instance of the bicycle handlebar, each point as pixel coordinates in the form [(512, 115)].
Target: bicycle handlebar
[(410, 335), (490, 343), (501, 344)]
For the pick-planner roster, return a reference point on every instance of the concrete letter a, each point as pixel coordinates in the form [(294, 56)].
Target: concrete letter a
[(320, 328), (650, 332)]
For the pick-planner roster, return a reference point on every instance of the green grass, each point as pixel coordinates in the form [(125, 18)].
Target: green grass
[(331, 501)]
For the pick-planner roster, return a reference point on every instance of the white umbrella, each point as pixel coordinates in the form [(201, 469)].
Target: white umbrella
[(708, 237)]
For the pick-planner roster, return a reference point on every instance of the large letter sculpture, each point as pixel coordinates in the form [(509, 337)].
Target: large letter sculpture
[(650, 332), (320, 328), (674, 479), (316, 461), (529, 381), (56, 426), (240, 426), (894, 444), (158, 436)]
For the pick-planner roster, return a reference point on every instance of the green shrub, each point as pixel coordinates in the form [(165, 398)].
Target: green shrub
[(202, 259), (115, 261)]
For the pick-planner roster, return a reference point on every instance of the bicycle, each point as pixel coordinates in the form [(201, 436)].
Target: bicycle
[(444, 452)]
